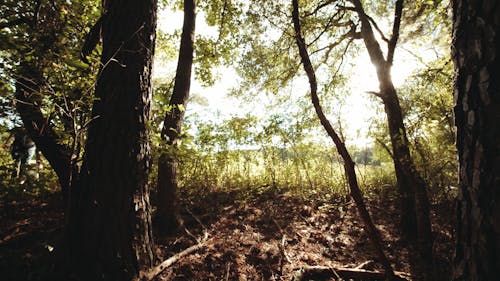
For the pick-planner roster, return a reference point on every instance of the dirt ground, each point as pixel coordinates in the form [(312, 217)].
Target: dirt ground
[(264, 237)]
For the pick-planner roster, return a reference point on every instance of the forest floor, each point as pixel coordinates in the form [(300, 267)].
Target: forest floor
[(265, 236)]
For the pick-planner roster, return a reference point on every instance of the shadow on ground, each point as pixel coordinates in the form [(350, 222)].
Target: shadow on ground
[(263, 234)]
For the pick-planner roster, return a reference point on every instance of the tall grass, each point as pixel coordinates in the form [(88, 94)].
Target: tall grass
[(305, 170)]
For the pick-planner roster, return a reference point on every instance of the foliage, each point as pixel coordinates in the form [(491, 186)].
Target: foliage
[(431, 128), (251, 153), (280, 148), (35, 180), (283, 145), (49, 43)]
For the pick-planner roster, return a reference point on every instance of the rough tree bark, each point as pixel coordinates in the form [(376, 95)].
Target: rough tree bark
[(476, 53), (355, 191), (109, 229), (168, 213), (415, 217)]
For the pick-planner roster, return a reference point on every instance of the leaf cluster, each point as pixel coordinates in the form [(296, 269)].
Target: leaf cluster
[(49, 45)]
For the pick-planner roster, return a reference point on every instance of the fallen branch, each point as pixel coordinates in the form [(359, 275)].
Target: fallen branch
[(196, 218), (365, 265), (284, 255), (155, 271), (324, 273)]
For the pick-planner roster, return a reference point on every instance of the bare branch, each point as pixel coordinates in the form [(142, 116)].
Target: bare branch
[(334, 76), (351, 34), (155, 271), (319, 7), (38, 124), (326, 272), (374, 23), (395, 31), (347, 8), (92, 39), (331, 22), (284, 31), (370, 19), (386, 148), (377, 94)]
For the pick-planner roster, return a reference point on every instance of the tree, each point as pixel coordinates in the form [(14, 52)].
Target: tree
[(415, 218), (38, 126), (430, 126), (476, 53), (108, 236), (349, 169), (38, 43), (333, 25), (167, 163)]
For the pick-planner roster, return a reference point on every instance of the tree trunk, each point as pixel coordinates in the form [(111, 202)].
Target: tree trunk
[(355, 191), (28, 99), (401, 151), (415, 217), (109, 233), (415, 213), (168, 213), (476, 53)]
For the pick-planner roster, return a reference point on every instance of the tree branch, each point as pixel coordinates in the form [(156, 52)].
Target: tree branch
[(222, 22), (331, 22), (349, 34), (371, 43), (325, 272), (38, 125), (92, 39), (374, 23), (386, 148), (319, 7), (155, 271), (398, 11)]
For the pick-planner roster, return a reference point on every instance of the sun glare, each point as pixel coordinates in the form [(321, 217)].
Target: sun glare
[(360, 110), (357, 112)]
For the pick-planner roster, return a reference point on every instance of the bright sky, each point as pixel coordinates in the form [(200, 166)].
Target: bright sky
[(355, 113), (359, 108), (215, 95)]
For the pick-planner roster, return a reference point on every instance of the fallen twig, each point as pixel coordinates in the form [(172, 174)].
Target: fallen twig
[(284, 255), (196, 239), (196, 218), (325, 272), (155, 271), (365, 265), (228, 268)]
